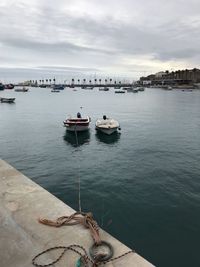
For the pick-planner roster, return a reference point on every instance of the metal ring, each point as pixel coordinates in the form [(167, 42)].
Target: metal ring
[(103, 258)]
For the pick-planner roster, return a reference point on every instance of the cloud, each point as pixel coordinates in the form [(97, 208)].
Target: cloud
[(110, 36)]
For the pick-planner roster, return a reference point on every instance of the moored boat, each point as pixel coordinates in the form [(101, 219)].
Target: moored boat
[(107, 125), (87, 87), (7, 100), (141, 89), (104, 89), (119, 92), (2, 87), (128, 89), (23, 89), (55, 91), (9, 86), (77, 124), (58, 87)]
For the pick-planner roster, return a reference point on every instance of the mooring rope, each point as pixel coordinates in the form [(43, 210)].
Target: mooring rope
[(86, 219), (79, 180)]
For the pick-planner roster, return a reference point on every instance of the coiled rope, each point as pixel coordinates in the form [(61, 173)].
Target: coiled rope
[(87, 220)]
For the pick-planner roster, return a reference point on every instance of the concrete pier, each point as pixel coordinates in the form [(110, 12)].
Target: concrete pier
[(22, 202)]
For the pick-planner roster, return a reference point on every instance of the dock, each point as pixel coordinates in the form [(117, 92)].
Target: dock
[(22, 237)]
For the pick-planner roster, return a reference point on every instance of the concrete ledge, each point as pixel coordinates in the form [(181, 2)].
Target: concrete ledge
[(22, 237)]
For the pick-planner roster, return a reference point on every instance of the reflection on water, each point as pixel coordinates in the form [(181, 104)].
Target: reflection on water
[(82, 138), (108, 139)]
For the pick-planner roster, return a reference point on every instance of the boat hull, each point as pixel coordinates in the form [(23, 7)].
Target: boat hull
[(76, 128), (108, 131), (77, 124), (7, 100), (22, 90), (107, 126)]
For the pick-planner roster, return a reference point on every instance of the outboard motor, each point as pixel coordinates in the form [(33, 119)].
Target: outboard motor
[(78, 115), (104, 117)]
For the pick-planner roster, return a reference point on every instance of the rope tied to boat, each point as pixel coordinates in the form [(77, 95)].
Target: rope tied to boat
[(86, 219)]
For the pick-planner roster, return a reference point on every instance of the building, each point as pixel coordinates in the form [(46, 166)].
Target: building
[(178, 77)]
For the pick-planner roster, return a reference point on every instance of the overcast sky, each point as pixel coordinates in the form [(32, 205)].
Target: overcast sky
[(119, 38)]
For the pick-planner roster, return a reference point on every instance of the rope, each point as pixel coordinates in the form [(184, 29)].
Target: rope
[(84, 256), (79, 181), (86, 219)]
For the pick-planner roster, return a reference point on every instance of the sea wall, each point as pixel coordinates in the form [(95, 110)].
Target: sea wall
[(22, 236)]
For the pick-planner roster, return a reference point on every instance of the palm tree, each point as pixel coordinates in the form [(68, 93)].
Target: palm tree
[(90, 82), (54, 80), (100, 81), (46, 80), (84, 80), (50, 81), (105, 81), (110, 81), (95, 81)]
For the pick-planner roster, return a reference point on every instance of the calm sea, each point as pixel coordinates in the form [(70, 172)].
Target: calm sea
[(143, 185)]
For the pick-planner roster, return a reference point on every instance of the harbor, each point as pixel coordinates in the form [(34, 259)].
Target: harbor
[(136, 182), (99, 133)]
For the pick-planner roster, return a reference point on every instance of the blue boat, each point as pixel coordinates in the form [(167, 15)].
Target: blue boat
[(58, 87), (1, 87)]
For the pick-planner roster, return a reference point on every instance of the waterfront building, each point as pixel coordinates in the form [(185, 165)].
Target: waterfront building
[(178, 77)]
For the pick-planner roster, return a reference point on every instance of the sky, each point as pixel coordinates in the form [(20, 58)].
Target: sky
[(97, 38)]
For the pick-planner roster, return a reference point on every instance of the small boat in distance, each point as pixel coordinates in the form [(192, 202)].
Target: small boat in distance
[(87, 87), (104, 89), (119, 92), (55, 91), (141, 89), (7, 100), (77, 124), (58, 87), (107, 125), (2, 87), (23, 89), (9, 86), (128, 89)]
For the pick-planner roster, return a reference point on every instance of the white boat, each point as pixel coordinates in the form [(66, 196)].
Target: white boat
[(78, 124), (107, 125)]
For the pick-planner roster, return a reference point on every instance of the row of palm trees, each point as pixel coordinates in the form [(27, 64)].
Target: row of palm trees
[(78, 81), (43, 81)]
